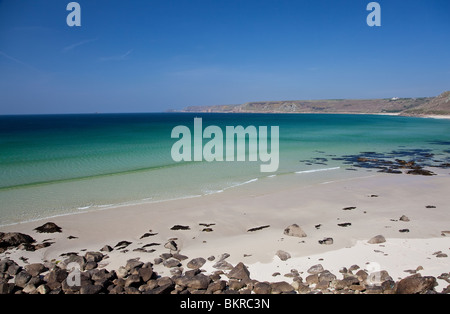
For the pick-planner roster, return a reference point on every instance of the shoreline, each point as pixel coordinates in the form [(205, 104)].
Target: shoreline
[(317, 209)]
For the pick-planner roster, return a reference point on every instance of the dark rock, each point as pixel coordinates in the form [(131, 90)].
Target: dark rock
[(404, 230), (106, 248), (133, 264), (14, 239), (180, 227), (22, 279), (281, 287), (90, 289), (312, 279), (41, 246), (294, 231), (103, 275), (179, 257), (315, 269), (56, 275), (284, 256), (93, 256), (421, 172), (196, 263), (80, 260), (165, 256), (215, 286), (262, 288), (326, 241), (171, 262), (415, 284), (145, 273), (48, 227), (234, 284), (133, 281), (6, 288), (345, 224), (90, 265), (258, 228), (171, 245), (131, 290), (326, 276), (122, 244), (166, 289), (349, 208), (199, 281), (240, 272), (345, 283), (223, 265), (148, 234), (13, 269), (35, 269)]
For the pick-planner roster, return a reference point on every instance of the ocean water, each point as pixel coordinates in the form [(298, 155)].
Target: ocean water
[(62, 164)]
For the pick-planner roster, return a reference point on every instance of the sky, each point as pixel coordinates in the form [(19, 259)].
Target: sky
[(155, 55)]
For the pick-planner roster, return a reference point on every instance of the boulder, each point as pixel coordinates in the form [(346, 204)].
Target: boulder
[(223, 265), (22, 279), (316, 269), (133, 264), (90, 289), (35, 269), (377, 239), (6, 288), (93, 256), (171, 262), (133, 281), (240, 271), (14, 239), (326, 276), (215, 286), (199, 281), (196, 263), (415, 284), (294, 230), (404, 218), (281, 287), (106, 248), (48, 227), (262, 288), (284, 256), (171, 245), (145, 273)]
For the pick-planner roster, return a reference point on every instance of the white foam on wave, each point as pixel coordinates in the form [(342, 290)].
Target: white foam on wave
[(317, 170)]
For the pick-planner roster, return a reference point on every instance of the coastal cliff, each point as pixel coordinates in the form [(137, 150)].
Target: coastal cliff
[(422, 106)]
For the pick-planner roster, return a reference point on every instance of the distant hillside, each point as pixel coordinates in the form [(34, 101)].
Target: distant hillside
[(439, 105), (406, 106)]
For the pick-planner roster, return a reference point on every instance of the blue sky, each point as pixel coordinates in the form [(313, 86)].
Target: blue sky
[(154, 55)]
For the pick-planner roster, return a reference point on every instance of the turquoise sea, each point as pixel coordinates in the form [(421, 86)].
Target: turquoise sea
[(61, 164)]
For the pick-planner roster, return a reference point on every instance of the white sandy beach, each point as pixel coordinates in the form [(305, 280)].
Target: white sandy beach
[(380, 200)]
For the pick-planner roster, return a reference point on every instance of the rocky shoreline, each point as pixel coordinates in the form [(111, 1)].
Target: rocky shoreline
[(83, 273)]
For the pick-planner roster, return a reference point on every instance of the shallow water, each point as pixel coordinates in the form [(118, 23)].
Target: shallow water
[(60, 164)]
